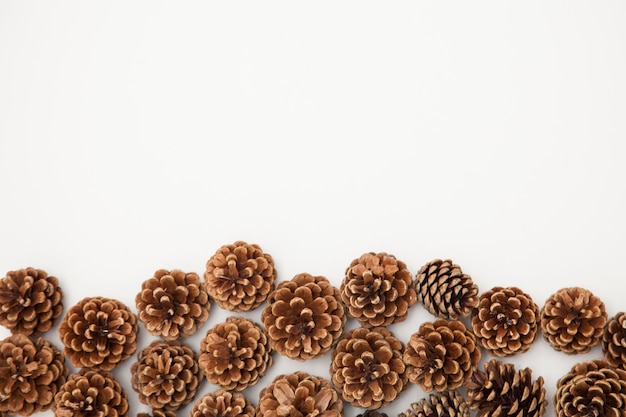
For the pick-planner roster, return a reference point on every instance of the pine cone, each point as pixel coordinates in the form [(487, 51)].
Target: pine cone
[(506, 321), (222, 403), (31, 373), (99, 333), (30, 301), (166, 375), (502, 391), (442, 404), (304, 317), (90, 393), (378, 290), (445, 290), (158, 413), (372, 413), (614, 341), (173, 304), (235, 354), (367, 367), (299, 395), (573, 319), (441, 355)]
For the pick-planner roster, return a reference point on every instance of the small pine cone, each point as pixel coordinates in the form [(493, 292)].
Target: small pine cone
[(30, 301), (372, 413), (378, 290), (158, 413), (573, 319), (31, 373), (367, 367), (222, 403), (91, 393), (99, 333), (441, 355), (442, 404), (304, 317), (299, 395), (235, 354), (614, 341)]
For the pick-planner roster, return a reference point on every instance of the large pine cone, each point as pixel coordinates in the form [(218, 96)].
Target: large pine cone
[(158, 413), (222, 403), (99, 333), (166, 375), (378, 289), (173, 304), (442, 404), (372, 413), (573, 319), (367, 367), (30, 301), (299, 395), (31, 373), (614, 341), (441, 355), (235, 354), (304, 317), (91, 393)]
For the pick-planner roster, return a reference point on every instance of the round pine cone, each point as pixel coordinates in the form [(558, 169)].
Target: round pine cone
[(506, 321), (441, 355), (378, 289), (614, 341), (31, 373), (222, 403), (166, 375), (91, 393), (304, 317), (367, 367), (235, 354), (99, 333), (372, 413), (299, 395), (442, 404), (158, 413), (573, 319), (30, 301), (173, 304)]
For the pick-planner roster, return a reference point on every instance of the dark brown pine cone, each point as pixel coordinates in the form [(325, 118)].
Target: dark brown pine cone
[(614, 341), (30, 301), (367, 367), (31, 373), (442, 404), (378, 289), (506, 321), (235, 354), (166, 375), (573, 319), (445, 290), (304, 317), (173, 304), (372, 413), (299, 395), (91, 393), (441, 355), (99, 333), (222, 403), (158, 413)]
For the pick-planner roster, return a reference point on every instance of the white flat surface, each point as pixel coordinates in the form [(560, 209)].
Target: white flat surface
[(143, 135)]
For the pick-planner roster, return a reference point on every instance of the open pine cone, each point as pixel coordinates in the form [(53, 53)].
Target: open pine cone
[(90, 393), (304, 317), (372, 413), (222, 403), (442, 404), (30, 301), (614, 341), (158, 413)]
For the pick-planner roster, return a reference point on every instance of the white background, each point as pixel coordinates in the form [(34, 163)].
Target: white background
[(143, 135)]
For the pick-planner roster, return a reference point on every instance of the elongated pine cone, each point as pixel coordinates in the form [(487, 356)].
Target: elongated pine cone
[(442, 404), (573, 319), (378, 289), (367, 367), (99, 333), (173, 304), (222, 403), (158, 413), (31, 373), (91, 393), (299, 395), (30, 301), (614, 341), (441, 355), (235, 354), (304, 317), (372, 413)]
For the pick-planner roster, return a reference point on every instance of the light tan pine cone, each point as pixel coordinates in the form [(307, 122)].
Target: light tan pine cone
[(573, 319), (91, 393), (173, 304), (614, 341), (158, 413), (99, 333), (31, 373), (304, 317), (222, 403), (30, 301), (441, 355), (442, 404)]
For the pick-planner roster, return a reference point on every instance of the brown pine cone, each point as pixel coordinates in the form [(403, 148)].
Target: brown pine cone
[(442, 404), (614, 341), (367, 367), (506, 321), (166, 375), (31, 373), (99, 333), (372, 413), (173, 304), (573, 319), (299, 395), (441, 355), (30, 301), (91, 393), (378, 289), (304, 317), (158, 413), (235, 354), (222, 403)]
